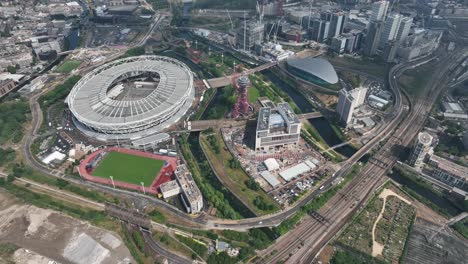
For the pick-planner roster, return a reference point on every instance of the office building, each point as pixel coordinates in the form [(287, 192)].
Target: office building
[(449, 172), (379, 11), (421, 148), (373, 38), (191, 195), (353, 40), (249, 34), (348, 101), (277, 127), (318, 30), (338, 44), (337, 21), (390, 51), (390, 29), (404, 28)]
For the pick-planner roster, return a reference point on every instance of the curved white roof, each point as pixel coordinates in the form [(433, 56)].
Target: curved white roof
[(91, 105), (318, 67)]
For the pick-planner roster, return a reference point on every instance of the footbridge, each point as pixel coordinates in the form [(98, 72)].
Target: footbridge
[(200, 125), (226, 80)]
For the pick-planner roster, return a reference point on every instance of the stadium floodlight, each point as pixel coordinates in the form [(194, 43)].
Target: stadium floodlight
[(112, 180), (143, 187)]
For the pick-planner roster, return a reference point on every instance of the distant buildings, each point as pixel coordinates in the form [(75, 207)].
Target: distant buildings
[(421, 43), (249, 34), (277, 127), (390, 29), (421, 149), (373, 37), (379, 11), (336, 19), (338, 44), (348, 101)]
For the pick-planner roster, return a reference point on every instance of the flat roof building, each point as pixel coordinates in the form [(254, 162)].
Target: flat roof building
[(277, 127), (268, 177), (449, 172), (170, 189), (6, 86), (191, 195)]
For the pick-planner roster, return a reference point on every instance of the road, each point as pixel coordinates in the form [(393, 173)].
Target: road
[(303, 243)]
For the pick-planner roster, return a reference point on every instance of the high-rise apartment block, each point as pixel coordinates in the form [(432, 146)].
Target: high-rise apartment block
[(348, 101), (373, 38), (379, 11), (421, 148)]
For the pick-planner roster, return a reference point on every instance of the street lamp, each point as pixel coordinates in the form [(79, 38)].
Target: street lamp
[(112, 180)]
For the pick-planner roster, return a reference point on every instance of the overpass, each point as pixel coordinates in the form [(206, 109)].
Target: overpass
[(226, 80), (200, 125)]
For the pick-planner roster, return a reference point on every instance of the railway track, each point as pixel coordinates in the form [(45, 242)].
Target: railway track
[(305, 241)]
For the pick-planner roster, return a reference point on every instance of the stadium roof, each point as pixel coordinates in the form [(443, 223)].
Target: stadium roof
[(318, 67), (91, 105)]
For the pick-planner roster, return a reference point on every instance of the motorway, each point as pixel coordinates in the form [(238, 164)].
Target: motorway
[(303, 243)]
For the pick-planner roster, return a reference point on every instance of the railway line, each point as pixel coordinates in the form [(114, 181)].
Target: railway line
[(310, 236)]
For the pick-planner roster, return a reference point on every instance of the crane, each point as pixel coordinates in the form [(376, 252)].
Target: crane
[(229, 15)]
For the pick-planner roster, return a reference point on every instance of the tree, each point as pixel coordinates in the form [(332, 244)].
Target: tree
[(252, 184), (11, 69)]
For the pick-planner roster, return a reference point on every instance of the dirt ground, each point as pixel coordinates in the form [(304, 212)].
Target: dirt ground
[(44, 235), (327, 99)]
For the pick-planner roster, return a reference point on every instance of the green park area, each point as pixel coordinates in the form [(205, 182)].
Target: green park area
[(253, 94), (129, 168), (68, 66), (13, 115), (230, 173), (415, 80)]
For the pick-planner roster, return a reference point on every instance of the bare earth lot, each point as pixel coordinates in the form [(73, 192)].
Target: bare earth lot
[(43, 235)]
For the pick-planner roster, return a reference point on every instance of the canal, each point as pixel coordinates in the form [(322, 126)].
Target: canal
[(321, 124)]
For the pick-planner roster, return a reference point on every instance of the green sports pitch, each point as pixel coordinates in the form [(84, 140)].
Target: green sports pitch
[(129, 168)]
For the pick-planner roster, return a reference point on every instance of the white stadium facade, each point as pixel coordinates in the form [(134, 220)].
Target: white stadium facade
[(133, 98)]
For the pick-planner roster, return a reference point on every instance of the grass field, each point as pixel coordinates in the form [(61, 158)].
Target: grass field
[(68, 66), (415, 80), (129, 168), (253, 94)]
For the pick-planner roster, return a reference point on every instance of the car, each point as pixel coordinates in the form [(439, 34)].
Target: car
[(321, 187)]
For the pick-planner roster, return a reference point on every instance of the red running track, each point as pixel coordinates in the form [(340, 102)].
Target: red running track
[(164, 175)]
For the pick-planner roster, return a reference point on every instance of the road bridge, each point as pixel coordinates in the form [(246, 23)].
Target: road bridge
[(226, 80)]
